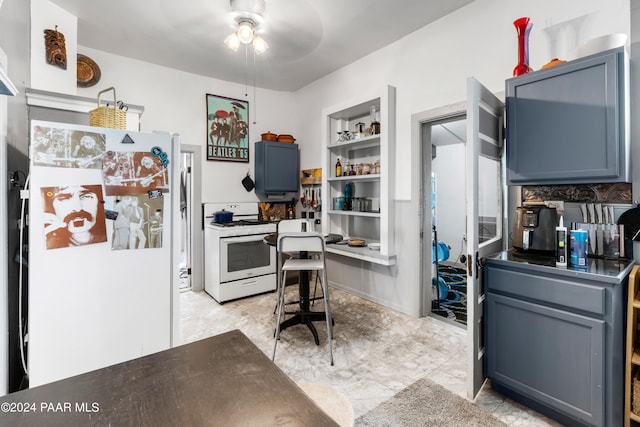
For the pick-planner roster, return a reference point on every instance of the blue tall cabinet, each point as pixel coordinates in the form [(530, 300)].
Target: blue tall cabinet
[(554, 336)]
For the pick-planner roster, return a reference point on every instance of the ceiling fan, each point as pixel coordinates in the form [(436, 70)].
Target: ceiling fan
[(247, 15)]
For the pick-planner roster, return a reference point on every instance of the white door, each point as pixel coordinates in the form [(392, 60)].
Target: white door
[(484, 213)]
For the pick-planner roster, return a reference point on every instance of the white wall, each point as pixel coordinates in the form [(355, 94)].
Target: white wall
[(175, 101), (45, 76), (451, 210)]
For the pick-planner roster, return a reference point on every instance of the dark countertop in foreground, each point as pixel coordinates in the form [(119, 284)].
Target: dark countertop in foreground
[(224, 380), (603, 270)]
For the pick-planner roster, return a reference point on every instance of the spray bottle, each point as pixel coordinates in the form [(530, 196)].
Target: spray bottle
[(561, 244)]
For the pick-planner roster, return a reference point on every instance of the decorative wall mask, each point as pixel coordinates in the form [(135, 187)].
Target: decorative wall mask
[(56, 49)]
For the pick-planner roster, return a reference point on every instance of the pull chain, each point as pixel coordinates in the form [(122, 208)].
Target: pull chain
[(246, 70), (255, 106)]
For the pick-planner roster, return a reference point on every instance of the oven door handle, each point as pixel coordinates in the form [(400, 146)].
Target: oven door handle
[(244, 238)]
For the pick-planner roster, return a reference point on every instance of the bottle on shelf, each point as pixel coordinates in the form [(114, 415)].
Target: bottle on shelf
[(345, 170), (352, 171), (348, 196), (375, 124), (338, 168)]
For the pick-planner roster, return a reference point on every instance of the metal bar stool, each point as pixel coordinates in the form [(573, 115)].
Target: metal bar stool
[(288, 226), (302, 242)]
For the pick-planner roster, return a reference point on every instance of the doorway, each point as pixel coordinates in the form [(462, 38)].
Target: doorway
[(185, 221), (485, 187), (191, 259), (443, 171)]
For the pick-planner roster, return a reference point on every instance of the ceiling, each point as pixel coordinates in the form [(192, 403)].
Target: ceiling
[(189, 35), (451, 132)]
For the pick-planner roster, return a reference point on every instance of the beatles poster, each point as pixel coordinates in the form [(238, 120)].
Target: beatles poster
[(227, 129)]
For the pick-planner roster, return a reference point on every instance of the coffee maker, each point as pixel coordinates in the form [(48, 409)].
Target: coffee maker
[(534, 229)]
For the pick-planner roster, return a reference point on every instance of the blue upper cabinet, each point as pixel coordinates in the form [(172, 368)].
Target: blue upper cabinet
[(277, 168), (569, 124)]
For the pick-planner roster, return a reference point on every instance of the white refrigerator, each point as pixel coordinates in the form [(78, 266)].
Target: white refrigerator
[(103, 248)]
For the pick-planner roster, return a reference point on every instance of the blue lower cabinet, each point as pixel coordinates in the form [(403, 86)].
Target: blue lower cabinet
[(554, 337)]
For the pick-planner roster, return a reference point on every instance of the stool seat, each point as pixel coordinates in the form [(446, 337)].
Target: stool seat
[(303, 264)]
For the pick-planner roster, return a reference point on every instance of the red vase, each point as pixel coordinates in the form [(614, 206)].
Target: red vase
[(523, 27)]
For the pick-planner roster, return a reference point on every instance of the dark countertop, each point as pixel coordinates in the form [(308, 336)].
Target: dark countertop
[(224, 380), (603, 270)]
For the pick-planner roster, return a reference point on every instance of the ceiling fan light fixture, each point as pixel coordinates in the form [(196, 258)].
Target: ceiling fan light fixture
[(259, 45), (232, 41), (245, 32), (247, 15)]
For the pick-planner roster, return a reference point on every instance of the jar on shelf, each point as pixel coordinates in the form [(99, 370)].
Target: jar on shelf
[(356, 205), (352, 171), (366, 169), (359, 169), (345, 169), (377, 166)]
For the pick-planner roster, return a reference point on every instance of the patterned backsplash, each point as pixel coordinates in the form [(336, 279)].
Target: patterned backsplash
[(595, 193)]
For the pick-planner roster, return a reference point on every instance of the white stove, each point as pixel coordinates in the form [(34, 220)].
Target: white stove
[(237, 261)]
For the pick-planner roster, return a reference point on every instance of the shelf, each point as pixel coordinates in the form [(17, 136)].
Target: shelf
[(355, 213), (311, 176), (377, 150), (356, 178), (356, 144), (361, 253)]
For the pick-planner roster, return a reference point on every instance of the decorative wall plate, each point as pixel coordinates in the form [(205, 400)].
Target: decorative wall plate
[(88, 71)]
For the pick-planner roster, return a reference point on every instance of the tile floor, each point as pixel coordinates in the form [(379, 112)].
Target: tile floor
[(377, 351)]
